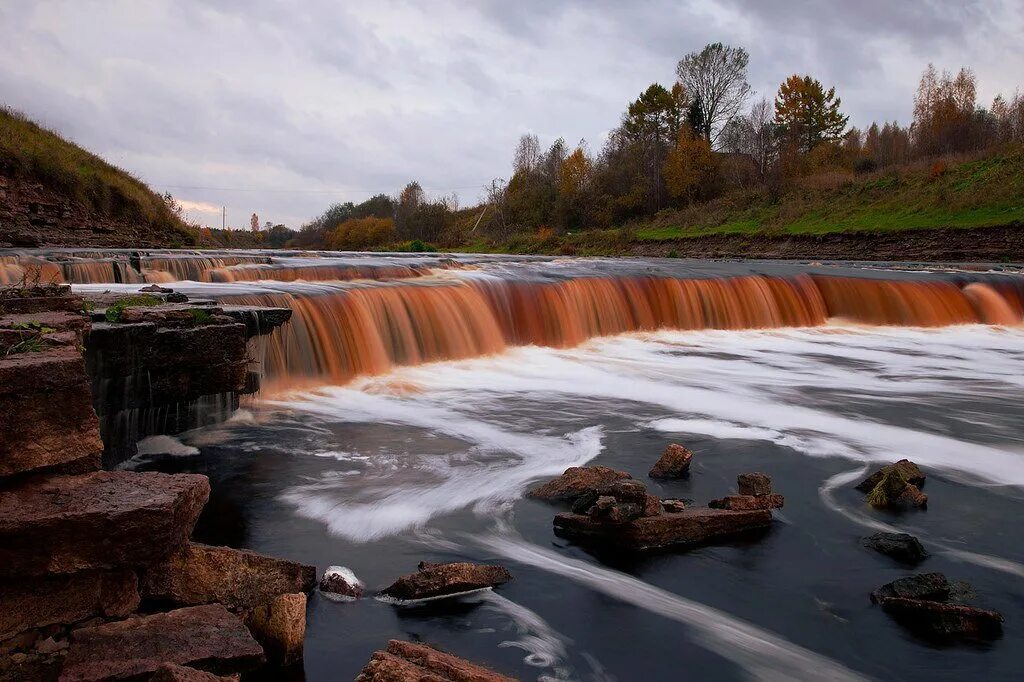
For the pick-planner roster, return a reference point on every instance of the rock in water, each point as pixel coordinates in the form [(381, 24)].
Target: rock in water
[(907, 470), (900, 546), (438, 580), (754, 484), (280, 627), (945, 621), (673, 463), (206, 637), (931, 586), (576, 481), (687, 527), (748, 502), (340, 584), (407, 661)]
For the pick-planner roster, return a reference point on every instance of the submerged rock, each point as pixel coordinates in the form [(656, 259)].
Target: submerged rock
[(931, 586), (686, 527), (929, 604), (673, 463), (900, 546), (439, 580), (408, 661), (207, 637), (575, 481), (340, 584), (907, 470)]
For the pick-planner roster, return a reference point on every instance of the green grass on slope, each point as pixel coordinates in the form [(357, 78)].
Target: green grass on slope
[(978, 193)]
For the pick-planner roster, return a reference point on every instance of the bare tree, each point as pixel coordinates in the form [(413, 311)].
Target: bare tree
[(527, 154), (716, 80)]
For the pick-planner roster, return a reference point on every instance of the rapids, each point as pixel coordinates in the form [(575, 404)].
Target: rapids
[(407, 408)]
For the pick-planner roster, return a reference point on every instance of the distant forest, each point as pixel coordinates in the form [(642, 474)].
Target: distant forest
[(675, 147)]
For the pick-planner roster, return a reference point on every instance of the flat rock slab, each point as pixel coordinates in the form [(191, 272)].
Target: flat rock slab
[(943, 620), (407, 661), (575, 481), (169, 672), (209, 638), (686, 527), (203, 574), (100, 520), (47, 421), (437, 580)]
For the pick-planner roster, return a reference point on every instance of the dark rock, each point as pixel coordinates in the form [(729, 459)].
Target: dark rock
[(340, 584), (652, 505), (207, 637), (65, 599), (754, 484), (907, 470), (437, 580), (156, 289), (689, 526), (584, 501), (673, 506), (280, 627), (673, 463), (100, 520), (169, 672), (202, 574), (608, 510), (38, 392), (937, 619), (575, 481), (911, 496), (626, 490), (928, 586), (749, 502), (405, 661), (900, 546)]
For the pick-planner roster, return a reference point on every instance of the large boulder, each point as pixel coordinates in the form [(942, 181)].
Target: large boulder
[(907, 470), (673, 463), (100, 520), (575, 481), (280, 627), (404, 661), (47, 421), (687, 527), (439, 580), (239, 579), (65, 599), (207, 637), (900, 546)]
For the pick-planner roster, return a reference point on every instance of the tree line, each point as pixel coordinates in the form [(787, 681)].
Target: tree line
[(701, 137)]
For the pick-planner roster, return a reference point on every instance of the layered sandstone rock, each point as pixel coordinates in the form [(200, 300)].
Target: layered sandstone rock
[(407, 661), (280, 626), (673, 463), (100, 520), (575, 481), (207, 637), (439, 580), (755, 493)]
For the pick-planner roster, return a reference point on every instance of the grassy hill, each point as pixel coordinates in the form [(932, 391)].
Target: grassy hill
[(58, 193)]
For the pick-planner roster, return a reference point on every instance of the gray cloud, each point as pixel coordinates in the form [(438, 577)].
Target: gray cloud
[(281, 108)]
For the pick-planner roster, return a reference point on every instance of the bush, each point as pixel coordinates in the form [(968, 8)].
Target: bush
[(865, 165), (361, 233)]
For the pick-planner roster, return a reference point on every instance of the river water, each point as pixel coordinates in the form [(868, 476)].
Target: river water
[(423, 449)]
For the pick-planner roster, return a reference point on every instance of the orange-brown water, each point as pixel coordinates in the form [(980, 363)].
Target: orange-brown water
[(371, 329)]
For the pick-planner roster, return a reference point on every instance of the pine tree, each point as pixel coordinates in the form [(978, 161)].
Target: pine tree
[(807, 114)]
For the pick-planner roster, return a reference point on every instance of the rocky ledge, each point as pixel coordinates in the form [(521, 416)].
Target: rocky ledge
[(407, 661), (433, 581), (931, 606)]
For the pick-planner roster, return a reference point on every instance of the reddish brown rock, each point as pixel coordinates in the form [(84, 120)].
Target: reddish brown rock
[(340, 584), (576, 481), (907, 470), (437, 580), (748, 502), (405, 661), (673, 463), (652, 505), (100, 520), (673, 506), (47, 422), (280, 627), (690, 526), (942, 620), (207, 637), (202, 574), (754, 484), (911, 497), (65, 599), (169, 672)]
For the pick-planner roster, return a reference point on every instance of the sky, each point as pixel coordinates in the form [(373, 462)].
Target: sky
[(282, 108)]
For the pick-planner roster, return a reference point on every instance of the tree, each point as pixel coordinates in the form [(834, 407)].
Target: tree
[(716, 80), (254, 223), (946, 117), (409, 201), (807, 114), (690, 168)]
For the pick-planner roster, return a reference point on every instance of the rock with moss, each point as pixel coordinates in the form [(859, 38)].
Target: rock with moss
[(893, 490), (909, 471)]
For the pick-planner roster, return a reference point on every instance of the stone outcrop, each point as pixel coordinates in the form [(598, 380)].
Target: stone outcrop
[(99, 520), (931, 606), (239, 579), (755, 484), (575, 481), (340, 584), (403, 661), (755, 493), (280, 626), (440, 580), (907, 470), (169, 672), (900, 546), (207, 637), (673, 463)]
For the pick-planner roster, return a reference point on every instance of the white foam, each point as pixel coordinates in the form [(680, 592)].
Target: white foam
[(346, 574), (165, 445)]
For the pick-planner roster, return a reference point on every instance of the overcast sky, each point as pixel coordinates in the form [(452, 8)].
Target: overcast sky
[(284, 107)]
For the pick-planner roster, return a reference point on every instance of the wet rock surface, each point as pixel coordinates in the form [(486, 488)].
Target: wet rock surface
[(931, 606), (748, 502), (280, 627), (340, 584), (900, 546), (438, 580), (202, 574), (575, 481), (169, 672), (754, 484), (907, 470), (673, 463), (208, 638), (100, 520), (408, 661)]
